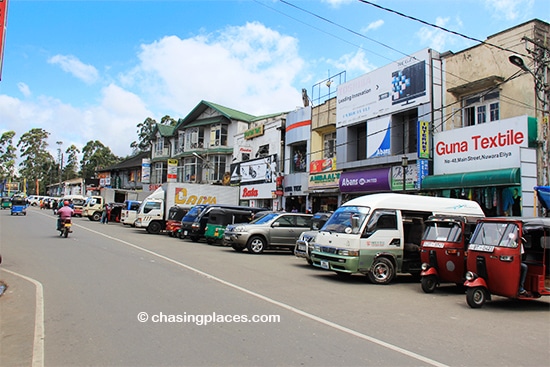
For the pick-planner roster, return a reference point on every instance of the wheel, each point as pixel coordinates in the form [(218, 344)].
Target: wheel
[(95, 217), (65, 232), (154, 228), (237, 248), (309, 261), (256, 245), (429, 283), (382, 271), (476, 297)]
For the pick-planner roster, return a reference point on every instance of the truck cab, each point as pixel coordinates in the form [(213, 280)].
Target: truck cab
[(93, 207)]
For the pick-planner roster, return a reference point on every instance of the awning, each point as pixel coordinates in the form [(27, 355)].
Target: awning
[(509, 176)]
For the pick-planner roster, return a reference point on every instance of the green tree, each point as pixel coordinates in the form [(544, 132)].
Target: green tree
[(95, 155), (71, 168), (145, 131), (7, 155), (37, 162)]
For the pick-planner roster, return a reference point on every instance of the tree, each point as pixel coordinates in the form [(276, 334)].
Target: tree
[(145, 132), (95, 155), (71, 168), (7, 155), (37, 161)]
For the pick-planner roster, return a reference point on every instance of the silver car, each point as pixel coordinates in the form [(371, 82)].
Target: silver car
[(273, 230), (304, 244)]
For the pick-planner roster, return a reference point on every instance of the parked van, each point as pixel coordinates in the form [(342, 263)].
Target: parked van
[(380, 234), (129, 212), (198, 227)]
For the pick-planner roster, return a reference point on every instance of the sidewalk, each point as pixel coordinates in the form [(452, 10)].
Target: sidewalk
[(17, 314)]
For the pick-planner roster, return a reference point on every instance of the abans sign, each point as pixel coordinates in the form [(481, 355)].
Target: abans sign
[(489, 146)]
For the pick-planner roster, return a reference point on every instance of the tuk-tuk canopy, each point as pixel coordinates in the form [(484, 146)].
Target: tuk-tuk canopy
[(18, 200)]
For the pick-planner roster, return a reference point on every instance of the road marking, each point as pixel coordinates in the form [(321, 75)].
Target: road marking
[(38, 346), (280, 304)]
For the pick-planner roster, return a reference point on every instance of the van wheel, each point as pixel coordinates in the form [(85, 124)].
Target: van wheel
[(429, 283), (382, 271), (256, 245), (476, 297)]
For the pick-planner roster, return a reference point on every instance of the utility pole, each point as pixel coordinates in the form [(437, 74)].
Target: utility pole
[(60, 160)]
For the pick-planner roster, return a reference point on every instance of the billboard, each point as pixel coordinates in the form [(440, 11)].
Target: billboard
[(391, 88)]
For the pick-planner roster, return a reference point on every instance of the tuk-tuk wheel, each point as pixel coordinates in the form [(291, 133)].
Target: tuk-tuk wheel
[(429, 283), (476, 297)]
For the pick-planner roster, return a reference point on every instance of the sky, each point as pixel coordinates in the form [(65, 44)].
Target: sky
[(93, 70)]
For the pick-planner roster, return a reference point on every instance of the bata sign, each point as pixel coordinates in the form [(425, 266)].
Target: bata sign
[(481, 147)]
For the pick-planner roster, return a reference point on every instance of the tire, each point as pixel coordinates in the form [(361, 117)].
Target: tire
[(476, 297), (154, 228), (256, 245), (65, 232), (429, 283), (237, 248), (95, 217), (382, 271)]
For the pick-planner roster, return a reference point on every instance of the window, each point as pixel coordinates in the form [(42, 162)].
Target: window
[(150, 205), (263, 151), (190, 170), (218, 135), (159, 145), (481, 108), (245, 157), (216, 167), (299, 158), (329, 144), (181, 142), (194, 138), (157, 176)]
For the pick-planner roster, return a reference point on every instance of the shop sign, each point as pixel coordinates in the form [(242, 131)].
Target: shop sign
[(411, 177), (257, 191), (481, 147), (172, 173), (423, 139), (254, 132), (365, 181), (182, 197), (324, 179), (322, 165)]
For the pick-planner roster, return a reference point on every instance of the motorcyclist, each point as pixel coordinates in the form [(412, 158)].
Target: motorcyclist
[(65, 212)]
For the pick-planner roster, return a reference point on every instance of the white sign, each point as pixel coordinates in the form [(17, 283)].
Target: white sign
[(482, 147), (258, 191), (394, 87)]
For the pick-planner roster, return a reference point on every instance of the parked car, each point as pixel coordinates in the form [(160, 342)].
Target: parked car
[(129, 212), (304, 244), (275, 230)]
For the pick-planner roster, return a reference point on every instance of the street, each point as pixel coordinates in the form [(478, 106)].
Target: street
[(114, 295)]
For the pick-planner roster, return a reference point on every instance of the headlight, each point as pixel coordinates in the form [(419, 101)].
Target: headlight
[(316, 247), (470, 276), (425, 266), (239, 229), (345, 252)]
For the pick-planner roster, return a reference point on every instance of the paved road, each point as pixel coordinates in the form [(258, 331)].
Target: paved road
[(98, 281)]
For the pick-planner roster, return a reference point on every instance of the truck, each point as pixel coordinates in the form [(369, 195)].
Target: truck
[(153, 212), (93, 206)]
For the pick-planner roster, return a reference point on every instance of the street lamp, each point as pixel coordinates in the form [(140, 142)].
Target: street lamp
[(404, 165)]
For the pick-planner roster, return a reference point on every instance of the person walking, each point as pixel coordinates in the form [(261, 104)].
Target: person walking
[(105, 214)]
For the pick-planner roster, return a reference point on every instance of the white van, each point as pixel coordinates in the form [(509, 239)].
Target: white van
[(379, 235)]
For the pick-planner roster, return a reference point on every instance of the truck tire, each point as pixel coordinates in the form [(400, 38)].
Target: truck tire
[(154, 228), (95, 217)]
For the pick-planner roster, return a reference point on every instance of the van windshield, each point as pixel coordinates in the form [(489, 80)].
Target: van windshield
[(193, 213), (347, 219)]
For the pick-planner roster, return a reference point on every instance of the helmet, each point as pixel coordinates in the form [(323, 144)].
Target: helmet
[(66, 203)]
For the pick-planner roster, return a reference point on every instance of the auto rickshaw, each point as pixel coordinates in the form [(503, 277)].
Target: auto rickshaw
[(175, 215), (443, 250), (219, 218), (5, 203), (19, 205), (496, 252)]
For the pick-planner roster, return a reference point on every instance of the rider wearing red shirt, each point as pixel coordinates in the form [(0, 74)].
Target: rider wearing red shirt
[(65, 212)]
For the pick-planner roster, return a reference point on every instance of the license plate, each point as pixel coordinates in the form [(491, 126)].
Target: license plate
[(67, 224), (302, 247), (185, 233), (227, 238), (325, 264)]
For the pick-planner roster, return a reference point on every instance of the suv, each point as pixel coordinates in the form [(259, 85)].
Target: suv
[(272, 230)]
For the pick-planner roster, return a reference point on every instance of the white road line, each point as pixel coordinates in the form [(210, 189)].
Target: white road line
[(283, 305), (38, 346)]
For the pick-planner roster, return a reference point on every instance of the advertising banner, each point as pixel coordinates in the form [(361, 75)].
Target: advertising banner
[(146, 171), (481, 147), (394, 87), (423, 134), (365, 181), (172, 173)]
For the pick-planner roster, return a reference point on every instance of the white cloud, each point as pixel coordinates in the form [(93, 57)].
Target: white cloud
[(24, 89), (355, 64), (337, 3), (509, 9), (437, 39), (71, 64), (373, 26), (250, 68)]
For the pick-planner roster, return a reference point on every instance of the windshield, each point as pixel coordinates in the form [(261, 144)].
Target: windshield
[(495, 234), (193, 213), (265, 218), (442, 231), (347, 219)]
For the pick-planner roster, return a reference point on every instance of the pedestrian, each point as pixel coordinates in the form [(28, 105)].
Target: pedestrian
[(105, 214)]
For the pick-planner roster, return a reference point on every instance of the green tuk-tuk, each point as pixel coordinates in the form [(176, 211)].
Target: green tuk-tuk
[(219, 218), (5, 203)]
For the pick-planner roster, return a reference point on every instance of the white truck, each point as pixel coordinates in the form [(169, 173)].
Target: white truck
[(153, 212)]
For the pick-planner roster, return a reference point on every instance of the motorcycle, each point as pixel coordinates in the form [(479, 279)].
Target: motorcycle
[(65, 228)]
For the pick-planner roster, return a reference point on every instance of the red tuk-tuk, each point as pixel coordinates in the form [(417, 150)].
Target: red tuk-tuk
[(496, 252), (443, 250)]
